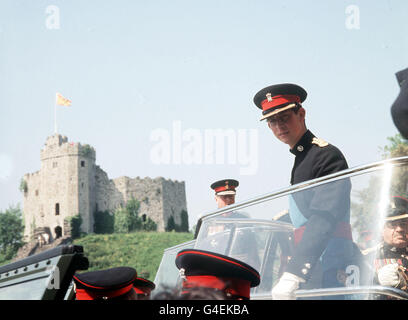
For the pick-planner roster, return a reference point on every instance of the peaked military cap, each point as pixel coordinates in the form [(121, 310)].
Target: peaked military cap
[(199, 268), (398, 209), (104, 284), (226, 186), (143, 286), (279, 97)]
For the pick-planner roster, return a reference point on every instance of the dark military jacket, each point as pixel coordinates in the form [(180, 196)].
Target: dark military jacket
[(322, 207), (392, 254), (386, 254)]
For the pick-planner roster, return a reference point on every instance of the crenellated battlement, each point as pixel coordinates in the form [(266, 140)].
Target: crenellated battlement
[(59, 146)]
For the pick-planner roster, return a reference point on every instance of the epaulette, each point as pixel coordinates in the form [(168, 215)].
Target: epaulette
[(370, 250), (280, 215), (320, 142)]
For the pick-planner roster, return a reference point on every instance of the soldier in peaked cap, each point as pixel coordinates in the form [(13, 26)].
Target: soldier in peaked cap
[(391, 261), (114, 283), (317, 215), (225, 192), (399, 109), (215, 238), (143, 288), (199, 268)]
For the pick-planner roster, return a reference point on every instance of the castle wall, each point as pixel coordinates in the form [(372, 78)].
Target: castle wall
[(174, 200), (62, 187), (148, 192), (108, 197), (32, 204), (86, 191), (69, 183)]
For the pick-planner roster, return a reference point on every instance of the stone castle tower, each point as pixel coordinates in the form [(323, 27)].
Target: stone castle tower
[(70, 183)]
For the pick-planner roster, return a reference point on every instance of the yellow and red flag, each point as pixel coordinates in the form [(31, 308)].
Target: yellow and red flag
[(61, 101)]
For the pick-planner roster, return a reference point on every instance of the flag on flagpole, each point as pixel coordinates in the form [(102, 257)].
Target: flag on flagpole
[(61, 101)]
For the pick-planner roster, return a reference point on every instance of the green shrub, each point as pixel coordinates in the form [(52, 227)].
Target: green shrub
[(23, 186), (103, 222), (184, 221), (122, 221), (75, 224), (149, 225), (86, 150), (11, 231), (171, 225)]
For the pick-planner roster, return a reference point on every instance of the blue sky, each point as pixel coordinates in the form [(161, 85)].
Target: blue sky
[(133, 67)]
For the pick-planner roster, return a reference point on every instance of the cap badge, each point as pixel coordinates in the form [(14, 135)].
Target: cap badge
[(269, 96), (182, 274), (300, 148), (320, 142), (226, 185)]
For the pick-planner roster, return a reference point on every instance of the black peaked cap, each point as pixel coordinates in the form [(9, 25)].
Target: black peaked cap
[(108, 279), (200, 262), (280, 89)]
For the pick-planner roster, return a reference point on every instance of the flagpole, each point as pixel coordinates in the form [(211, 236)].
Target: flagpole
[(55, 114)]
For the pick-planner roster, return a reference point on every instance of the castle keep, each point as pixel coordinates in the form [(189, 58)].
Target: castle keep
[(70, 183)]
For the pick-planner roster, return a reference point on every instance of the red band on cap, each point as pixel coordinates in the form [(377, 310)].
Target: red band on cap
[(236, 287), (279, 100), (219, 258), (83, 294), (140, 290), (223, 188)]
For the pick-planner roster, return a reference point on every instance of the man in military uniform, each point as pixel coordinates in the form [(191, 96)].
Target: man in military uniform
[(391, 261), (225, 191), (218, 238), (321, 214), (399, 109)]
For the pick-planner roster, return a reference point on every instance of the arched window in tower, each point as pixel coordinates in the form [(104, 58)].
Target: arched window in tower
[(82, 163), (58, 232), (57, 209), (144, 218)]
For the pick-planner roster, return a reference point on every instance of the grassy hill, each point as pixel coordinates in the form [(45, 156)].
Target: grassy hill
[(140, 250)]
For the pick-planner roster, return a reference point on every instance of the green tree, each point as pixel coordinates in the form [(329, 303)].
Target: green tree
[(366, 206), (132, 207), (184, 221), (123, 221), (103, 222), (75, 224), (149, 225), (398, 147), (23, 185), (171, 225), (11, 231)]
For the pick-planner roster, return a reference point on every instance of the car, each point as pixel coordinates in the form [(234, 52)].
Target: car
[(265, 239), (43, 276), (260, 236)]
